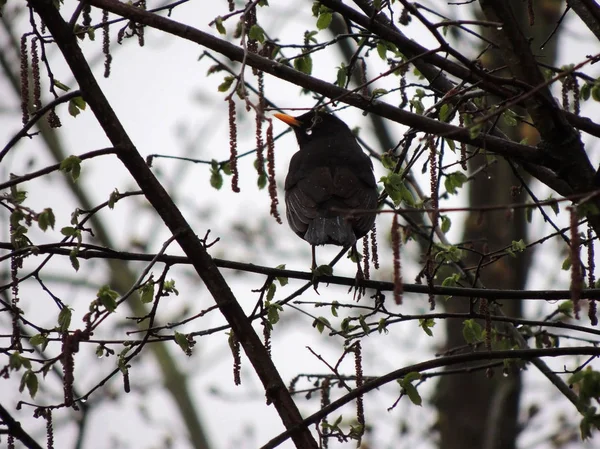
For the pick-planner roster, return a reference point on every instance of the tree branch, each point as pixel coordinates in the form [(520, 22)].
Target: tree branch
[(523, 354), (14, 428), (157, 196), (95, 252)]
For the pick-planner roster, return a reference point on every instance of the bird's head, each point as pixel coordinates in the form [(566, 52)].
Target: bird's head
[(315, 125)]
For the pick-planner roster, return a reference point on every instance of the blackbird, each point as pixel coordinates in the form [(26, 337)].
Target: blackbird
[(328, 175)]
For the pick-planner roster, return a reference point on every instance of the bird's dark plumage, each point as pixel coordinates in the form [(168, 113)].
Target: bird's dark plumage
[(329, 172)]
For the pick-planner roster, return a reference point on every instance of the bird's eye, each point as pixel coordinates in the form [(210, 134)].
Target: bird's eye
[(309, 131)]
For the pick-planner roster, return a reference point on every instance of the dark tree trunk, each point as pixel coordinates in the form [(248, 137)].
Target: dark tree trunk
[(480, 409)]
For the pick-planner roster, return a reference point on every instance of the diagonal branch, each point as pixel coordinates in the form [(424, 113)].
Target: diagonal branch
[(451, 360), (589, 12), (516, 151), (13, 427), (275, 388)]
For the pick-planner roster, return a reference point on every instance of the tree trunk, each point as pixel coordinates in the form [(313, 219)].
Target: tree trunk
[(480, 409)]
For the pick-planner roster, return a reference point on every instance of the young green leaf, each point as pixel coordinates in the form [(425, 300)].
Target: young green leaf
[(320, 323), (147, 294), (445, 111), (183, 343), (303, 64), (72, 165), (257, 33), (64, 319), (219, 25), (226, 84), (108, 297), (324, 20), (472, 331), (46, 219)]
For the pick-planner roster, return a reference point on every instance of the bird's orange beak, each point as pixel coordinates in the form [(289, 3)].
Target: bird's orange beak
[(288, 119)]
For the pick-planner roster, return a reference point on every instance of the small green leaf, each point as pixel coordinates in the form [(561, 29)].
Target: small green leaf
[(412, 376), (80, 103), (529, 214), (566, 308), (16, 217), (451, 281), (446, 223), (216, 179), (226, 84), (64, 319), (113, 198), (30, 381), (39, 340), (72, 165), (147, 294), (417, 105), (320, 324), (183, 343), (226, 168), (73, 258), (450, 143), (334, 308), (596, 92), (73, 109), (509, 117), (426, 325), (584, 92), (472, 331), (445, 111), (566, 265), (257, 33), (17, 196), (61, 86), (303, 64), (273, 310), (310, 36), (363, 324), (413, 394), (46, 219), (261, 181), (324, 20), (382, 50), (323, 270), (282, 280), (395, 188), (342, 76), (388, 160), (518, 246), (107, 297), (454, 181), (382, 326), (69, 231), (16, 361), (169, 287), (219, 25)]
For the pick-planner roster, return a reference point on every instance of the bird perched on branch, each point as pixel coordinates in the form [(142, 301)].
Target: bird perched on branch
[(328, 178)]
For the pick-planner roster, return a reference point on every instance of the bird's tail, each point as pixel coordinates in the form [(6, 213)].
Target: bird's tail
[(330, 231)]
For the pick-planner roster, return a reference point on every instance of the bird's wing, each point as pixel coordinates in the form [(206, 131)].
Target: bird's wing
[(355, 193)]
